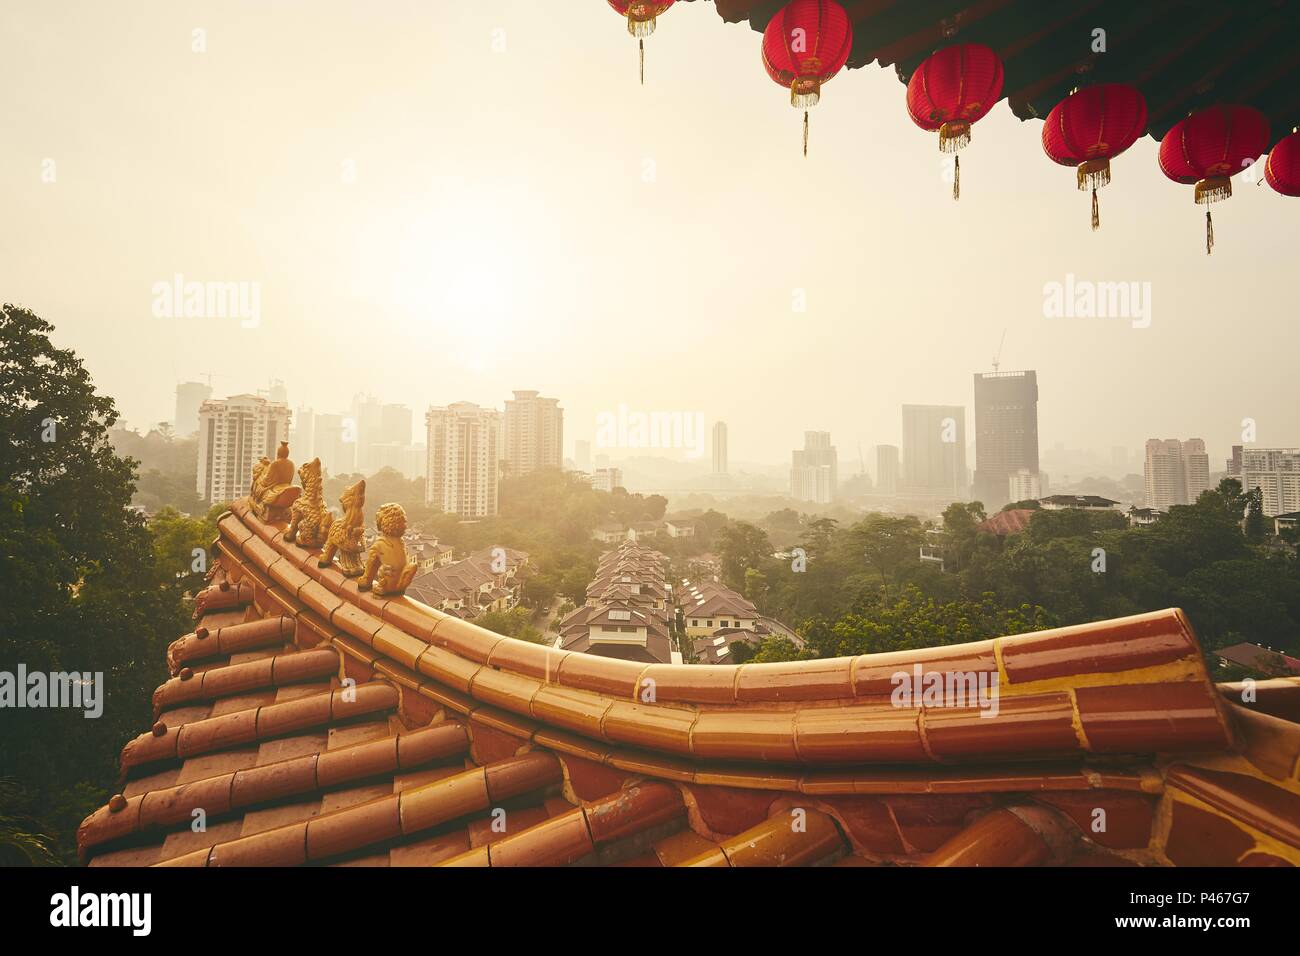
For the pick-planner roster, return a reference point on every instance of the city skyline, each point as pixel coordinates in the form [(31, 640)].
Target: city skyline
[(577, 449), (348, 229)]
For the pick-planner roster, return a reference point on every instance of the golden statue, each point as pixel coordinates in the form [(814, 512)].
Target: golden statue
[(386, 567), (273, 491), (347, 536), (310, 520)]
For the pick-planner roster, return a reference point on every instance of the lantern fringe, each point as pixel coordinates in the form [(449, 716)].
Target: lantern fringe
[(1209, 233), (1094, 173), (805, 132), (954, 136), (641, 43), (1213, 189), (1096, 211), (956, 177), (640, 28)]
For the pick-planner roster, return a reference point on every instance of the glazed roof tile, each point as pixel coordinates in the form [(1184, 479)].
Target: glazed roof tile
[(312, 723)]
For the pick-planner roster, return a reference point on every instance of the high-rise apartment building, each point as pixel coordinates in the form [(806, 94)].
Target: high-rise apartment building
[(720, 448), (533, 436), (395, 423), (1024, 485), (582, 455), (934, 450), (276, 392), (1276, 473), (1234, 463), (1176, 472), (886, 469), (190, 396), (334, 442), (814, 470), (302, 434), (607, 479), (462, 450), (234, 433), (1006, 433)]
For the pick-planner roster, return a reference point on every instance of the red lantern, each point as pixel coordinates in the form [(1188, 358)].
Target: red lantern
[(1283, 167), (1090, 127), (805, 45), (1208, 148), (641, 20), (952, 89)]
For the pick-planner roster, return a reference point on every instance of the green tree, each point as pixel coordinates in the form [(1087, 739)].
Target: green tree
[(1256, 528), (83, 577), (741, 546)]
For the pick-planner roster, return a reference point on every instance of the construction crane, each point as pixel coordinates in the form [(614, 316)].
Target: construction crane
[(997, 359)]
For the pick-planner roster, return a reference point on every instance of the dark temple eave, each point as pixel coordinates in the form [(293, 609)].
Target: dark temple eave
[(1182, 54)]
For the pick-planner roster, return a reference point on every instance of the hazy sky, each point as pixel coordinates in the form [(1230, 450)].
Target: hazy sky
[(530, 217)]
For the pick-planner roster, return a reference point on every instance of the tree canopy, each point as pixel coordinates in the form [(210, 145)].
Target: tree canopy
[(89, 586)]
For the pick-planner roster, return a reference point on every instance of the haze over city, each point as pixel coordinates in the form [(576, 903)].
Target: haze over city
[(569, 231)]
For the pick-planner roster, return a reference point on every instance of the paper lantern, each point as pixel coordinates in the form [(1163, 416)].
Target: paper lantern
[(642, 17), (804, 45), (950, 91), (1208, 148), (1282, 170), (1092, 126)]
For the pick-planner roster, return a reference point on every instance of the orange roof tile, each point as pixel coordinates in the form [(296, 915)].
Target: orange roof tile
[(311, 723)]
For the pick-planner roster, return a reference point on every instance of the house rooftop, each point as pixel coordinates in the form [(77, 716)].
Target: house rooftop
[(317, 724)]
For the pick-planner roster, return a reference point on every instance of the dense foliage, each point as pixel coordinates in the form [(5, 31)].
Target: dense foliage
[(863, 587), (89, 588), (93, 586)]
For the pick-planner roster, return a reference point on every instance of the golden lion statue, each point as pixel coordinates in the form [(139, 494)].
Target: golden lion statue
[(347, 536), (310, 519), (273, 491), (387, 569)]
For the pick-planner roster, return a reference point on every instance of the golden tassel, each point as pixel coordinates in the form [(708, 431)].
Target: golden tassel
[(805, 132), (1209, 233), (642, 44), (1096, 212), (1094, 173), (956, 177), (954, 135), (1213, 189)]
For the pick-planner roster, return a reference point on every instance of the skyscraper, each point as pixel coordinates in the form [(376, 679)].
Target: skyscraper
[(395, 425), (365, 428), (334, 442), (533, 437), (814, 471), (1006, 433), (233, 434), (1276, 473), (886, 469), (720, 448), (582, 455), (462, 451), (302, 434), (1176, 471), (189, 397), (607, 479), (1234, 463), (934, 450)]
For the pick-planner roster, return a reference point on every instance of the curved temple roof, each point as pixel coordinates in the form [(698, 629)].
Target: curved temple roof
[(310, 722), (1182, 54)]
